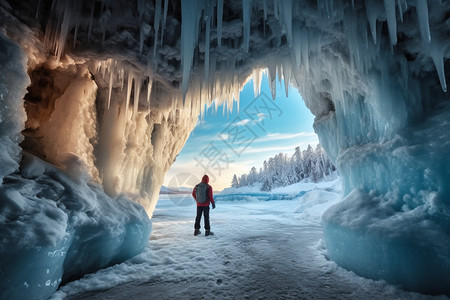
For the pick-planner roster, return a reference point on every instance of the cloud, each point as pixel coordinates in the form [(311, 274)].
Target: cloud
[(224, 136), (261, 117), (286, 136), (284, 149), (242, 122)]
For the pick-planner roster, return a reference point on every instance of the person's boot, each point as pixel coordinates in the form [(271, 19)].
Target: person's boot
[(208, 232), (196, 232)]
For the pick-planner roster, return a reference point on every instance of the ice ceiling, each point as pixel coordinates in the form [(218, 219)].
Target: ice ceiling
[(116, 88)]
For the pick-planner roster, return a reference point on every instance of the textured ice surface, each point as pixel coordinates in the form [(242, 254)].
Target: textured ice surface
[(372, 72), (400, 214), (13, 83), (53, 230)]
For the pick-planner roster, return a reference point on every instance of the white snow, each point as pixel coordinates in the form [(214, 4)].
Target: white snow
[(260, 250), (53, 229)]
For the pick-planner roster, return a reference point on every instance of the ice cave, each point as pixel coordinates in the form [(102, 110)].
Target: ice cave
[(98, 98)]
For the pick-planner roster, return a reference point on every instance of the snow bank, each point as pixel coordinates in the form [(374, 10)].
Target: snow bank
[(53, 229), (364, 230), (290, 192)]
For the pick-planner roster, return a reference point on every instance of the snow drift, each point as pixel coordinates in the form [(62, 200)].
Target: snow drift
[(373, 73), (55, 230)]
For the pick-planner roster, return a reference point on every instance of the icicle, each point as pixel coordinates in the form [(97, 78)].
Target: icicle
[(275, 9), (104, 22), (38, 8), (219, 21), (189, 16), (287, 69), (122, 78), (91, 19), (373, 10), (297, 40), (137, 94), (400, 10), (75, 36), (279, 73), (286, 16), (422, 16), (208, 16), (247, 15), (372, 23), (64, 31), (149, 90), (265, 16), (389, 6), (436, 51), (130, 85), (256, 82), (143, 33), (111, 76), (305, 49), (166, 4), (272, 78), (156, 25)]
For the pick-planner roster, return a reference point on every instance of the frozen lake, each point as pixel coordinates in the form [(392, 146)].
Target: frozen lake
[(261, 249)]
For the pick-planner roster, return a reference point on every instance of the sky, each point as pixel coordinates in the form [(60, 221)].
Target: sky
[(225, 144)]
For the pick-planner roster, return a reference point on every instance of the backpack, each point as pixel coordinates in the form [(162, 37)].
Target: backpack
[(200, 192)]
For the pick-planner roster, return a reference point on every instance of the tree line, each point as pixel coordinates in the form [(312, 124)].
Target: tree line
[(282, 170)]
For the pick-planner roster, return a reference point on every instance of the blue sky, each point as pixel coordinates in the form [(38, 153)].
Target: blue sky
[(225, 144)]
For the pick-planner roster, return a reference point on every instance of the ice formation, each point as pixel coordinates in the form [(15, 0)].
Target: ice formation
[(124, 82)]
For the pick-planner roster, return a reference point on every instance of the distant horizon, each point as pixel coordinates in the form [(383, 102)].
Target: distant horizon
[(222, 145)]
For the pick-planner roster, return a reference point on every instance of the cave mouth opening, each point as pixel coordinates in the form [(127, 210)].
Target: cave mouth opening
[(240, 139)]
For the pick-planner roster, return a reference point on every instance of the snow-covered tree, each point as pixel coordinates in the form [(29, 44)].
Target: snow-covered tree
[(234, 182), (252, 176), (243, 180), (282, 170)]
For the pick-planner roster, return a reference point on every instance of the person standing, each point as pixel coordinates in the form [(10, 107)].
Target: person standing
[(203, 195)]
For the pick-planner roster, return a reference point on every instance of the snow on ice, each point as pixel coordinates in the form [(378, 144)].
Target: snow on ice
[(61, 229), (265, 249)]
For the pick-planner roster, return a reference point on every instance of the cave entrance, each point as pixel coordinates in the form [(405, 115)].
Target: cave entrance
[(239, 141)]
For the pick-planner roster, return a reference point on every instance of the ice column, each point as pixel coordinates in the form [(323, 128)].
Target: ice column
[(189, 27), (247, 14)]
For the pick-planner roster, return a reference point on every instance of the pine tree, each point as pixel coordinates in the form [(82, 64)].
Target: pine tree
[(308, 155), (243, 180), (252, 176), (282, 170), (234, 182), (297, 162)]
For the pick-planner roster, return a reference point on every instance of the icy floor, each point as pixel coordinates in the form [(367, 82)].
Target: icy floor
[(267, 250)]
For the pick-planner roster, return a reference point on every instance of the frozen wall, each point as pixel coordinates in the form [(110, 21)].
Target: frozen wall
[(373, 73), (13, 83), (55, 223)]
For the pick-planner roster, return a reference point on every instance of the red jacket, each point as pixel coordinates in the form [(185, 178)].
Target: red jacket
[(210, 198)]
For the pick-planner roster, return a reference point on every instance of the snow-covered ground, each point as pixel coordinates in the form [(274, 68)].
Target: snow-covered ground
[(261, 249)]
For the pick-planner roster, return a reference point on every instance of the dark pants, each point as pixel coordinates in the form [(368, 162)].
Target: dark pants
[(205, 211)]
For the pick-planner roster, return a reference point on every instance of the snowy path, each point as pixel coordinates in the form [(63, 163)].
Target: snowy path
[(268, 250)]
